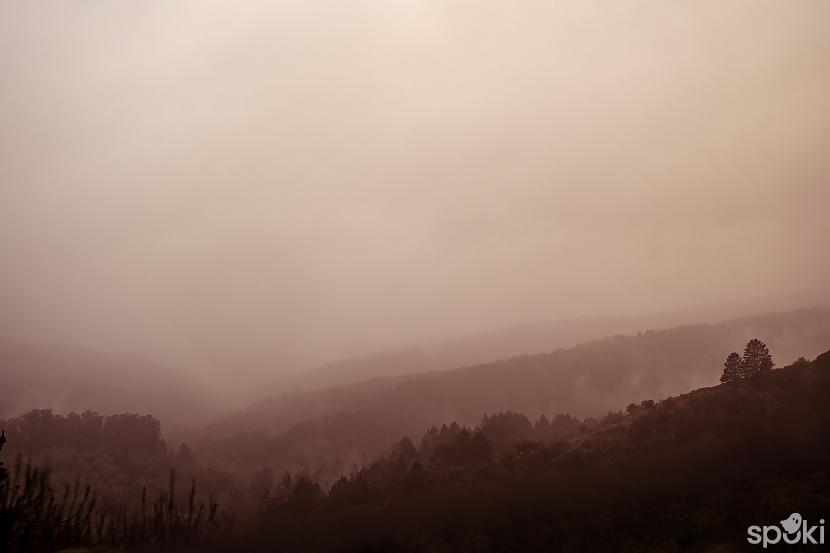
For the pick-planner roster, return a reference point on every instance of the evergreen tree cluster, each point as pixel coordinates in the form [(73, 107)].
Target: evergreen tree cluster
[(756, 360)]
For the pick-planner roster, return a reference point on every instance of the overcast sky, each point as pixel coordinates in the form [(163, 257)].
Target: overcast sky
[(272, 184)]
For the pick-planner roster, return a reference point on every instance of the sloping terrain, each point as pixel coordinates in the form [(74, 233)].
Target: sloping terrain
[(502, 343), (66, 379), (688, 473), (587, 380)]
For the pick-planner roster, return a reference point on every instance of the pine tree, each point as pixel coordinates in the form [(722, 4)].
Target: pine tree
[(732, 368), (757, 359), (3, 472)]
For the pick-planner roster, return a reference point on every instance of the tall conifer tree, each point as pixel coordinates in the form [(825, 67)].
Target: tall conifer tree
[(731, 368), (757, 359)]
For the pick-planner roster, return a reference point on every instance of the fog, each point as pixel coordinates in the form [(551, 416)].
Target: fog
[(253, 187)]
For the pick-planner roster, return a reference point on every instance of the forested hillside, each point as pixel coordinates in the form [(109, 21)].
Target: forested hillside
[(688, 472), (340, 426), (502, 343)]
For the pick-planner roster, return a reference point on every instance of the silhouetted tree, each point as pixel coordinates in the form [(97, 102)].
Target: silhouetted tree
[(757, 359), (542, 426), (505, 428), (732, 368), (2, 468), (404, 451), (262, 481), (185, 455), (563, 426), (465, 448)]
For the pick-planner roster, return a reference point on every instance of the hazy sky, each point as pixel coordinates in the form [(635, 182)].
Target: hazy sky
[(267, 183)]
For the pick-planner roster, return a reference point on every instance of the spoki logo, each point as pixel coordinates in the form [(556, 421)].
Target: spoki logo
[(796, 530)]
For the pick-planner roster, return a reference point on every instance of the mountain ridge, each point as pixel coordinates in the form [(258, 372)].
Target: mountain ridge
[(588, 380)]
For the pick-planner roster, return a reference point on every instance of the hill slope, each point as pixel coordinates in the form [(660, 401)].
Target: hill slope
[(329, 431), (66, 379), (503, 343), (586, 380), (689, 473)]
